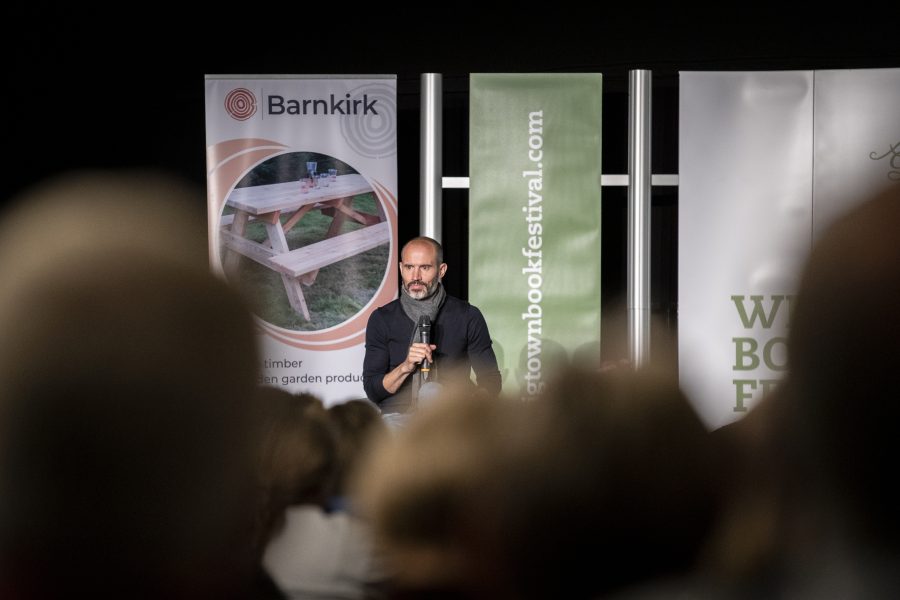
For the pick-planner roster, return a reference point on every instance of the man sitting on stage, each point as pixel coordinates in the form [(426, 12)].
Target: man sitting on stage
[(395, 349)]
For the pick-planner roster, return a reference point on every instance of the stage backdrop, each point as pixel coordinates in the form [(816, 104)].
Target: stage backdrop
[(534, 220), (767, 161), (302, 177)]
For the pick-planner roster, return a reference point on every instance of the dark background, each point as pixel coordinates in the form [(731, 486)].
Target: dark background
[(101, 88)]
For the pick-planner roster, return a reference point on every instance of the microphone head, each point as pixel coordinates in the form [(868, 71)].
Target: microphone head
[(425, 331)]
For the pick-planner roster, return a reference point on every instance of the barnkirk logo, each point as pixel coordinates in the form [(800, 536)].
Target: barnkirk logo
[(894, 160), (240, 104)]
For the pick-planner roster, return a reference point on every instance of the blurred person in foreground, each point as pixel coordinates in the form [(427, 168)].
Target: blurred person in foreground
[(814, 508), (601, 484), (418, 488), (840, 394), (309, 552), (358, 425), (838, 413), (126, 373)]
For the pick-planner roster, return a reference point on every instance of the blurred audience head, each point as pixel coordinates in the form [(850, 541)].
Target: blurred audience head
[(607, 483), (357, 424), (126, 373), (602, 483), (298, 456), (417, 488), (844, 344)]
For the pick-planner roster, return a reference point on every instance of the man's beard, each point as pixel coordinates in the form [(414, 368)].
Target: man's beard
[(421, 294)]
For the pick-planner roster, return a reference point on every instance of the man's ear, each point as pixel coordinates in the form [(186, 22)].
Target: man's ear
[(442, 270)]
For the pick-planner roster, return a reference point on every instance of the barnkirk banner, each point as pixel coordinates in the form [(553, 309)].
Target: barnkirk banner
[(767, 160), (302, 197), (534, 220)]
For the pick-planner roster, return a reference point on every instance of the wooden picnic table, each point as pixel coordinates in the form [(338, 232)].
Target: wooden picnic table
[(269, 203)]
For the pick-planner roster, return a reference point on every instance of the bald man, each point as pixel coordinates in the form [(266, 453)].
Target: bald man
[(459, 337)]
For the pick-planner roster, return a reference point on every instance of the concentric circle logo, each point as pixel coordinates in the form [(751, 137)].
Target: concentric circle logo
[(373, 136), (240, 104)]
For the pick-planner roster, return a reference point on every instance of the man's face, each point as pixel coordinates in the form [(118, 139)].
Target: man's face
[(420, 271)]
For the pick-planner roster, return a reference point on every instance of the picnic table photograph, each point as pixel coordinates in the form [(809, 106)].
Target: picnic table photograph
[(311, 251)]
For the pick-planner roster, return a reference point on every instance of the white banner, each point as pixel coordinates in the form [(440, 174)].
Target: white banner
[(765, 160), (744, 219), (857, 137), (302, 177)]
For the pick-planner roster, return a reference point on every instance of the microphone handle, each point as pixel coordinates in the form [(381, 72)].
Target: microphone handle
[(425, 369)]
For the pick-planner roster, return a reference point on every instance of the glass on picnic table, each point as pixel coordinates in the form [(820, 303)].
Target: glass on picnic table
[(332, 174), (323, 179)]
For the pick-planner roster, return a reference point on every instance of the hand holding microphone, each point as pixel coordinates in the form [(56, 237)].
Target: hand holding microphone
[(425, 338), (420, 351)]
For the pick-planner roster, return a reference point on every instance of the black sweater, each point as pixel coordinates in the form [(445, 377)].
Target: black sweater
[(460, 334)]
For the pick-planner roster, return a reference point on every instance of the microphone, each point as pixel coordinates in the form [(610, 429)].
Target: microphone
[(425, 338)]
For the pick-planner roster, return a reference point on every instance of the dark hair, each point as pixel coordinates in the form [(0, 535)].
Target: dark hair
[(355, 423), (297, 459), (844, 342)]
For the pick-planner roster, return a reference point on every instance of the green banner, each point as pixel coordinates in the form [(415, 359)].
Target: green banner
[(534, 220)]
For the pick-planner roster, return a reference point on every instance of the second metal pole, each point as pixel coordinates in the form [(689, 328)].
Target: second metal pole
[(639, 189), (430, 165)]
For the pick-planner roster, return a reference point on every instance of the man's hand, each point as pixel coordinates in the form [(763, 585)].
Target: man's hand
[(417, 353)]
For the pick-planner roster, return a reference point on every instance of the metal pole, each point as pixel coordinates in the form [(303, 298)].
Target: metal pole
[(430, 158), (639, 179)]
